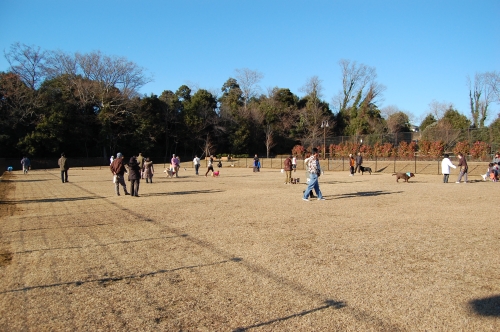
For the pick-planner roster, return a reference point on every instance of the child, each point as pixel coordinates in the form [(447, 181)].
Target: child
[(352, 162), (445, 167)]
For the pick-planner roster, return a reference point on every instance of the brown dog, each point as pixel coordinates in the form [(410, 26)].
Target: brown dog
[(404, 176)]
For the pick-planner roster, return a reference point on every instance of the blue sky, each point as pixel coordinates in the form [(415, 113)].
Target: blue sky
[(422, 50)]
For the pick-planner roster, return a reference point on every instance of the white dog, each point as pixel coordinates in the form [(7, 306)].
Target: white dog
[(169, 172)]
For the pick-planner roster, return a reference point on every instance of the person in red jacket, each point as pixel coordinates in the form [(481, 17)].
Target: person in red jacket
[(352, 162)]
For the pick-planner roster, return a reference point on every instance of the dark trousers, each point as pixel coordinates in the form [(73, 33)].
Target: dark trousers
[(64, 175), (196, 168), (446, 177), (134, 187)]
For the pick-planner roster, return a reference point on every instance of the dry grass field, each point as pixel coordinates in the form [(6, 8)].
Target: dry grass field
[(243, 252)]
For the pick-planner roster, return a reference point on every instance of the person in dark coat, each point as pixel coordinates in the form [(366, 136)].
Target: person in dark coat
[(134, 175), (359, 162), (64, 166)]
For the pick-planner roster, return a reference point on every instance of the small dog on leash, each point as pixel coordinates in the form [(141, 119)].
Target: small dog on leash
[(169, 172)]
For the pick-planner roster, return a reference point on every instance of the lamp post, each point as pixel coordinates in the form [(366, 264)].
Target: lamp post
[(324, 125)]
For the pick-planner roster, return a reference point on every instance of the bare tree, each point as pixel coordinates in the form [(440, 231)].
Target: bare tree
[(493, 80), (28, 63), (270, 143), (357, 81), (248, 81), (481, 94), (314, 114), (438, 109)]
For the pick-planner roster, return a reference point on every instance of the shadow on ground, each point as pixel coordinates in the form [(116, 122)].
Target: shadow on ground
[(50, 200), (489, 306), (192, 192), (366, 193)]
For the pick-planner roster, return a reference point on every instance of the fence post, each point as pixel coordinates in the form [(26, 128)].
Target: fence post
[(415, 163)]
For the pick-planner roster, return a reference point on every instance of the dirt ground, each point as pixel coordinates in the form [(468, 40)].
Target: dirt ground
[(244, 252)]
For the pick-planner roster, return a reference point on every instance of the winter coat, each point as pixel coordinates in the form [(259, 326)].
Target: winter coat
[(134, 170)]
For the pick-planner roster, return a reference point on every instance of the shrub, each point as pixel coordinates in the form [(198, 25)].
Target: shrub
[(298, 150), (406, 150), (480, 150), (462, 147)]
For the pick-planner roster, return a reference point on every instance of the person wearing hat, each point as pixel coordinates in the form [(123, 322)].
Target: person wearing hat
[(117, 167), (63, 165)]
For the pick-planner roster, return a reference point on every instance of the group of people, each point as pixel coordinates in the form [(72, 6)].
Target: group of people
[(354, 164), (290, 165), (493, 170), (446, 164), (136, 169)]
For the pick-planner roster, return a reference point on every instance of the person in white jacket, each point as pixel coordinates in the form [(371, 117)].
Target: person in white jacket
[(445, 167)]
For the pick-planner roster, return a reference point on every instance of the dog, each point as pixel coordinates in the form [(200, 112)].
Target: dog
[(170, 173), (404, 176), (365, 169)]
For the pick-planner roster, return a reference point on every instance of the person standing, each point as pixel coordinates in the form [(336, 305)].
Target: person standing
[(196, 163), (134, 176), (462, 164), (117, 167), (26, 163), (359, 162), (149, 170), (63, 166), (294, 163), (445, 167), (111, 160), (140, 161), (288, 170), (314, 169), (210, 165), (175, 165), (352, 162), (256, 164)]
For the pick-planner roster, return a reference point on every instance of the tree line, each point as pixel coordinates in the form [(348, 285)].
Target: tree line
[(88, 105)]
